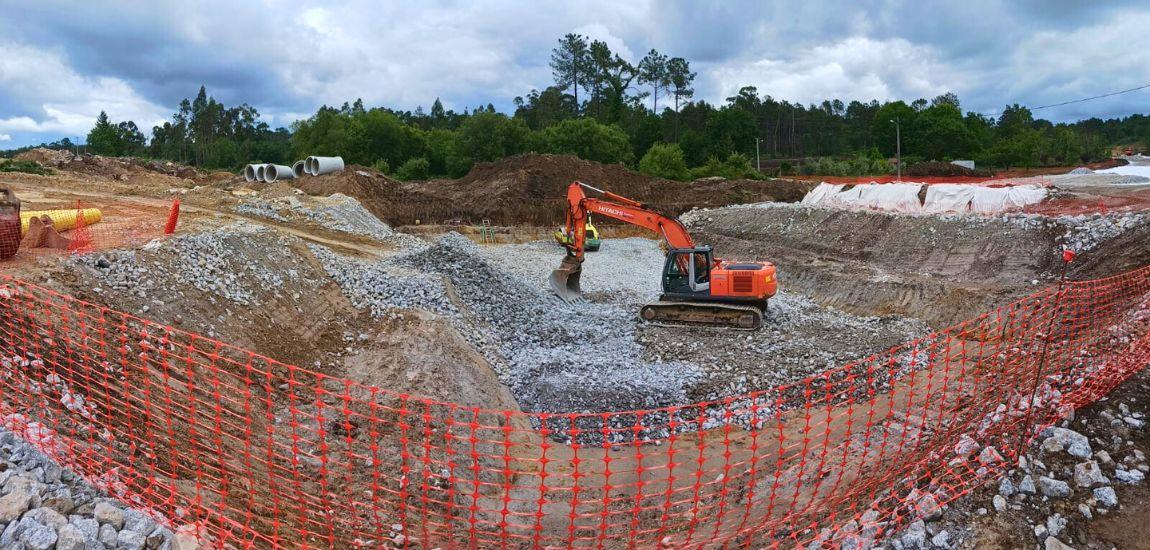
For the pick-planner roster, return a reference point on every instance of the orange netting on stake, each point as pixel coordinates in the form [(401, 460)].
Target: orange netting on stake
[(250, 452), (76, 228)]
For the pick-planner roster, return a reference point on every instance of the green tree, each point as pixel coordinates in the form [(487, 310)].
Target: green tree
[(654, 72), (681, 77), (570, 64), (614, 76), (587, 139), (414, 169), (883, 128), (1015, 119), (665, 160), (941, 134), (486, 137), (104, 137)]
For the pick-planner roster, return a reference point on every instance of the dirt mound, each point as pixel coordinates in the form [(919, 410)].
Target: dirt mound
[(935, 169), (530, 189), (50, 158), (390, 200)]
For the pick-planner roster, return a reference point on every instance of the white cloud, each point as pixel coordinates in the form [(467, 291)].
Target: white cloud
[(600, 32), (1050, 67), (59, 100), (854, 68), (5, 137)]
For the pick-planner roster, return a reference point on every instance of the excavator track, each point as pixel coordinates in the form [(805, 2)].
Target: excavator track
[(710, 314)]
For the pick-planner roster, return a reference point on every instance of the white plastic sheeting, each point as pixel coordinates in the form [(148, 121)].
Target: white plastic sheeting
[(948, 198), (892, 197), (819, 194), (895, 197), (943, 198), (989, 200)]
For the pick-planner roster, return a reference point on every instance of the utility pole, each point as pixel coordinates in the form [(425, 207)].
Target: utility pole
[(897, 149), (758, 164)]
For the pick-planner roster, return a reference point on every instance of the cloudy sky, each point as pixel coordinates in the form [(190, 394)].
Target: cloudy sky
[(62, 62)]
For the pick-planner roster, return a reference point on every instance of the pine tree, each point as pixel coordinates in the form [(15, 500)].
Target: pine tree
[(570, 63), (653, 71), (103, 139)]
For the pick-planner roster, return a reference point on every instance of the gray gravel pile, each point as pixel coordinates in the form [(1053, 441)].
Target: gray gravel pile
[(1086, 232), (382, 287), (260, 208), (555, 356), (799, 339), (625, 269), (338, 212), (237, 263), (43, 506), (1074, 473), (1081, 170)]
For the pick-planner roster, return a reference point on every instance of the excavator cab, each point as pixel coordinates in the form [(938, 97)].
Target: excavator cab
[(687, 272)]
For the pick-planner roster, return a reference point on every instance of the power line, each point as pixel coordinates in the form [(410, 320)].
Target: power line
[(1142, 87), (1073, 101)]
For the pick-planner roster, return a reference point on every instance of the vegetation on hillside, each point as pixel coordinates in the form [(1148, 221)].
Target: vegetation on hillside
[(602, 107)]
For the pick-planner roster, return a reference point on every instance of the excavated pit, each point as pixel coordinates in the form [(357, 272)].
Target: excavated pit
[(940, 269)]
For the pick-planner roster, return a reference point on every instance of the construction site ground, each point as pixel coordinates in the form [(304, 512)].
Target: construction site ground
[(356, 275)]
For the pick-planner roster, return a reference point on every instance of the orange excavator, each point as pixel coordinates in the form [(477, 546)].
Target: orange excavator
[(698, 289)]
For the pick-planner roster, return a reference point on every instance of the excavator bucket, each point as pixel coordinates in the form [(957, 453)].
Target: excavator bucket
[(565, 279)]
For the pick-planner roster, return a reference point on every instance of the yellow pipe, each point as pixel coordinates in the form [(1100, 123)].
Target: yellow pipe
[(63, 219)]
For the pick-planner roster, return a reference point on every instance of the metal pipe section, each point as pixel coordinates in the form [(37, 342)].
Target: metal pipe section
[(276, 172), (299, 169), (325, 165)]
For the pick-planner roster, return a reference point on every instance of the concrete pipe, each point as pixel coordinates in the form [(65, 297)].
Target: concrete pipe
[(261, 169), (276, 172), (299, 168), (250, 173), (326, 165), (309, 165)]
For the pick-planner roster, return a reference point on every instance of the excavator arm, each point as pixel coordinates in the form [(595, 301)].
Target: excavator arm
[(566, 279), (579, 206)]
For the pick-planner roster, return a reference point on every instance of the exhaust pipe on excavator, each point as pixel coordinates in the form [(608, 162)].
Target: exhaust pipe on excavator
[(565, 279)]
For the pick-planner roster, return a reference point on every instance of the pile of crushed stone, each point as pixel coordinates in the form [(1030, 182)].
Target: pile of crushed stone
[(338, 213), (217, 262), (44, 506), (555, 357)]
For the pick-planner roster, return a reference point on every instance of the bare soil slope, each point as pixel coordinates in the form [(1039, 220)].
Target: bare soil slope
[(530, 189)]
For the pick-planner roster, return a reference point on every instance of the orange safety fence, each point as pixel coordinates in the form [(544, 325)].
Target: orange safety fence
[(77, 227), (245, 451)]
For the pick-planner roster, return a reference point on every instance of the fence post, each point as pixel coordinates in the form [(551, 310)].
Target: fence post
[(173, 217), (1067, 257)]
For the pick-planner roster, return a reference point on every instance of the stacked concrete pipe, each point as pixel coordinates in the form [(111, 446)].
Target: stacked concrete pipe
[(276, 172), (318, 166), (254, 172)]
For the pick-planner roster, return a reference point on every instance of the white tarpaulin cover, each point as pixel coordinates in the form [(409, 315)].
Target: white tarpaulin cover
[(819, 194), (941, 198), (948, 197), (989, 200), (891, 197)]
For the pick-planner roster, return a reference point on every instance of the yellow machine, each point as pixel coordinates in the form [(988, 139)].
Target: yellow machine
[(593, 240)]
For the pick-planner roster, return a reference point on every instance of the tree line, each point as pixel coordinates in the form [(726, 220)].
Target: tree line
[(603, 107)]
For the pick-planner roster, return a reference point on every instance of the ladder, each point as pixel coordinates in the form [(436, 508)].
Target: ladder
[(487, 232)]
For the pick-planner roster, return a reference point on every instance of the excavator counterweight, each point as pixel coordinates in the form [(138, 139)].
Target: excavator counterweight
[(698, 289)]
